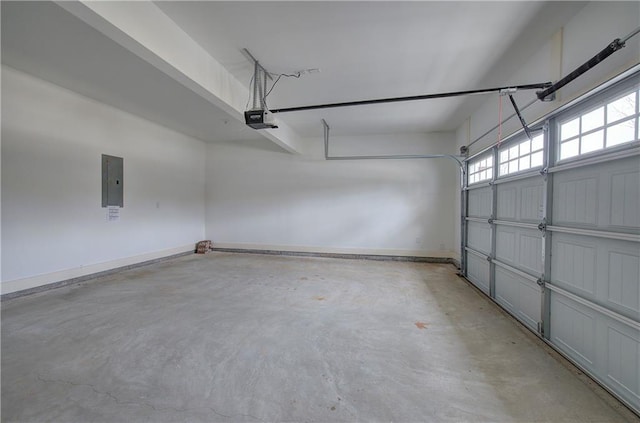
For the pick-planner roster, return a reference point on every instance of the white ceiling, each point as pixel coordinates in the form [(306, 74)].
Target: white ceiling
[(365, 50), (44, 40)]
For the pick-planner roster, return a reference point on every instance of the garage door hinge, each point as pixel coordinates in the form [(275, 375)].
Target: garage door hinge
[(540, 282), (543, 225), (490, 221), (489, 258), (544, 171)]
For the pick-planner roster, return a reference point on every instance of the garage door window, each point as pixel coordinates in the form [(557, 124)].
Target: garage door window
[(521, 155), (481, 169), (609, 125)]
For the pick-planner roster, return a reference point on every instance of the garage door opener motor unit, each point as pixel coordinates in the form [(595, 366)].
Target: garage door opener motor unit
[(259, 116), (260, 119)]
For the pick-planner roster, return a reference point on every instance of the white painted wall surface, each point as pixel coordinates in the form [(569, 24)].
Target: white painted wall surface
[(264, 199), (53, 225)]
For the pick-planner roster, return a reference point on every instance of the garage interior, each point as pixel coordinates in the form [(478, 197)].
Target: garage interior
[(444, 226)]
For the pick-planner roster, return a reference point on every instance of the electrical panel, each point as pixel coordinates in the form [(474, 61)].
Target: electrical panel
[(112, 181)]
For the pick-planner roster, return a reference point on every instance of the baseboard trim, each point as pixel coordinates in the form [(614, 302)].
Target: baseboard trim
[(157, 257), (374, 257), (16, 293), (337, 250)]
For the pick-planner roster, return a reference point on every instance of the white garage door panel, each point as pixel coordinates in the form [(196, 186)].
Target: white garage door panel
[(480, 202), (573, 263), (479, 236), (604, 196), (623, 288), (520, 248), (522, 297), (623, 360), (573, 329), (478, 272), (604, 271), (575, 200), (507, 201), (607, 348), (625, 199), (521, 200)]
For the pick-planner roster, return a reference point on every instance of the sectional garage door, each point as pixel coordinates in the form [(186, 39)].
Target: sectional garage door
[(518, 253), (479, 236), (552, 233), (595, 271)]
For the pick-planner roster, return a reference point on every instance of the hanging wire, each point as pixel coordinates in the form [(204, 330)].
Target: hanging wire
[(249, 99), (499, 119), (279, 76), (258, 90), (272, 87), (256, 81)]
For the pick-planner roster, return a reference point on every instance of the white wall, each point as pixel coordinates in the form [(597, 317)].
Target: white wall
[(53, 225), (584, 35), (270, 200)]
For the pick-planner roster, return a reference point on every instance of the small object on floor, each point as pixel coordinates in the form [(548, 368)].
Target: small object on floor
[(203, 247)]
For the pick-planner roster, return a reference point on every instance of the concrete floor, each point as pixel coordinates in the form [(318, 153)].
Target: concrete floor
[(234, 337)]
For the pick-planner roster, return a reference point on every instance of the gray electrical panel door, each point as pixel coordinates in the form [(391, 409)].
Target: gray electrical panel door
[(112, 181)]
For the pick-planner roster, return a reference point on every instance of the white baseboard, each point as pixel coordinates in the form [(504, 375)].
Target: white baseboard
[(15, 285), (8, 287), (334, 250)]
